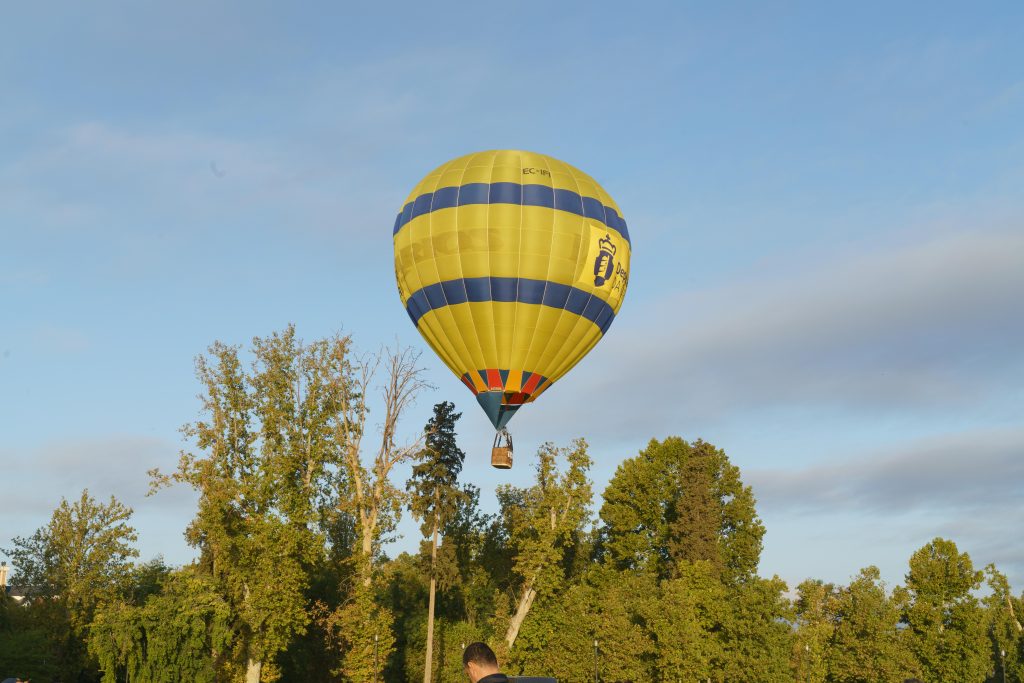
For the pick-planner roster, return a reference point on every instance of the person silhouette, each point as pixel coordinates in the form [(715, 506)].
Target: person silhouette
[(481, 665)]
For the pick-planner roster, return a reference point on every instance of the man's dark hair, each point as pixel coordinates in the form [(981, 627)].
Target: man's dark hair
[(480, 654)]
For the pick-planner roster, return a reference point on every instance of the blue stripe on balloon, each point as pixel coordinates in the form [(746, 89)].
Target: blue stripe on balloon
[(512, 193), (510, 289)]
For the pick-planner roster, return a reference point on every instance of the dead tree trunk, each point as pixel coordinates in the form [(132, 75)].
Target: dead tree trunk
[(522, 609)]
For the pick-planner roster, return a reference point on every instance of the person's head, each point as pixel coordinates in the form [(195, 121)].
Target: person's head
[(478, 661)]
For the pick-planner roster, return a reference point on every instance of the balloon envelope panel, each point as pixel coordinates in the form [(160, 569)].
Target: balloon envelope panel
[(512, 265)]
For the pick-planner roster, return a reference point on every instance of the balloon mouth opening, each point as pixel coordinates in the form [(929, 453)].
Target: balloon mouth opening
[(497, 411)]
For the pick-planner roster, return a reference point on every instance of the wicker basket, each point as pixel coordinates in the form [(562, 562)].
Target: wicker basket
[(501, 457)]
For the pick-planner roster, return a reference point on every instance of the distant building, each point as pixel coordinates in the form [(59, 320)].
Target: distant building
[(20, 595)]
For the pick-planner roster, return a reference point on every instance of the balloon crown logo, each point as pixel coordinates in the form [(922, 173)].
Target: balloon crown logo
[(604, 264)]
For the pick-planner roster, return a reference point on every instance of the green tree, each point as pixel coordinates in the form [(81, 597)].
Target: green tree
[(677, 501), (471, 564), (755, 633), (265, 469), (452, 637), (148, 579), (694, 518), (80, 560), (1006, 634), (476, 557), (179, 634), (361, 629), (605, 607), (33, 640), (683, 617), (435, 498), (867, 645), (814, 627), (372, 502), (543, 523), (371, 499), (946, 623), (626, 648)]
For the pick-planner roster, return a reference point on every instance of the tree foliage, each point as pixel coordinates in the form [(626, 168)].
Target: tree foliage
[(434, 499), (677, 501), (266, 460), (296, 504), (81, 558), (1006, 634), (944, 617), (75, 564), (543, 523), (181, 633), (868, 643), (814, 626)]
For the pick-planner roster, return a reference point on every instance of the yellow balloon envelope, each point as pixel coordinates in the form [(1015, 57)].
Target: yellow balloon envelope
[(512, 265)]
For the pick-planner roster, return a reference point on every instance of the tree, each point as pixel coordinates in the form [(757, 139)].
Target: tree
[(33, 640), (683, 617), (475, 559), (1004, 629), (81, 558), (605, 607), (694, 518), (435, 497), (178, 634), (542, 522), (755, 633), (76, 563), (867, 645), (676, 502), (625, 647), (362, 630), (372, 499), (814, 627), (265, 470), (946, 625)]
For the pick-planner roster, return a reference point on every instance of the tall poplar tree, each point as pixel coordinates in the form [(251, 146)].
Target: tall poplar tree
[(362, 626), (266, 453)]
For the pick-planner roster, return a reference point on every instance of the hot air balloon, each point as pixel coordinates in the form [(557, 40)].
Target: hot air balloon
[(512, 265)]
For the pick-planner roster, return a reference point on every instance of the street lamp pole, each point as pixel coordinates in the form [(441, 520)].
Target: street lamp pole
[(596, 678), (375, 638)]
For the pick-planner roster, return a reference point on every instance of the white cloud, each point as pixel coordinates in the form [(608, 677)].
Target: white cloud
[(108, 465), (37, 479), (879, 507), (923, 328), (948, 473)]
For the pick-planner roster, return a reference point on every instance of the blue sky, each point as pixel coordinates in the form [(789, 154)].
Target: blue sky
[(825, 204)]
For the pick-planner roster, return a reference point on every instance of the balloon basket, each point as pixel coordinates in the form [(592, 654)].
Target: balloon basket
[(501, 451)]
